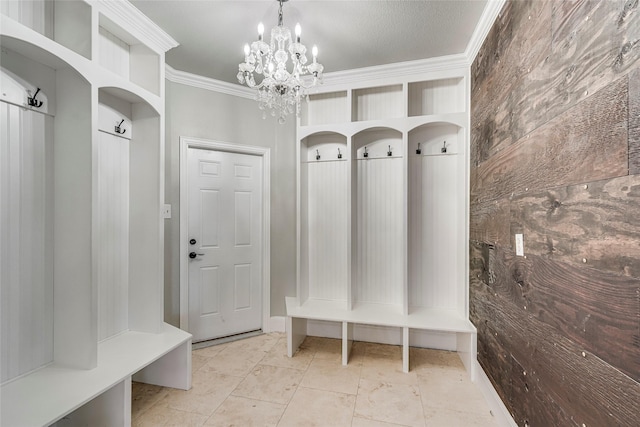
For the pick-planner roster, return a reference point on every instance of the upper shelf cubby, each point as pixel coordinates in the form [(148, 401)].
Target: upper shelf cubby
[(66, 22), (377, 103), (325, 108), (436, 97), (125, 55), (429, 100)]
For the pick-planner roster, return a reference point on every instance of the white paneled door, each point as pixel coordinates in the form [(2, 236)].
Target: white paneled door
[(225, 243)]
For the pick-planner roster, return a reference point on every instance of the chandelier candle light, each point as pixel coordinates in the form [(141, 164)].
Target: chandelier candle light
[(282, 84)]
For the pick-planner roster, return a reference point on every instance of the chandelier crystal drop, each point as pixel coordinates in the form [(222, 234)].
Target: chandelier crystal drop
[(280, 85)]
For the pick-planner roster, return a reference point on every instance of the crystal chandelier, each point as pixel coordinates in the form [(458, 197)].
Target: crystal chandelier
[(281, 84)]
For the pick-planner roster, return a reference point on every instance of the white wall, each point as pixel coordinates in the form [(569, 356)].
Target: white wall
[(202, 113)]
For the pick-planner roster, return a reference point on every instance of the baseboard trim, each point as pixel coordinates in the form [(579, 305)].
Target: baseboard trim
[(223, 340), (275, 324), (384, 335), (497, 407)]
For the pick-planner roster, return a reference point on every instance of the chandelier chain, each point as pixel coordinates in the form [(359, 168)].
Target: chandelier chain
[(280, 14)]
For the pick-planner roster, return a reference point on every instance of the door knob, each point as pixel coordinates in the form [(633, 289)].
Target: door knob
[(192, 255)]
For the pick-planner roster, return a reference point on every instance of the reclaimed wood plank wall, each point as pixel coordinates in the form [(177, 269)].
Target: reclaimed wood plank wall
[(555, 155)]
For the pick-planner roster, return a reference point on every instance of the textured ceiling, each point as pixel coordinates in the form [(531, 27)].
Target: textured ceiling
[(349, 34)]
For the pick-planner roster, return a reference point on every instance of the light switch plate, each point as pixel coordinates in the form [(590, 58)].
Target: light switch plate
[(519, 245)]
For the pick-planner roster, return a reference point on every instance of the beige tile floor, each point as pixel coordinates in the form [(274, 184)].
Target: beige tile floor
[(252, 382)]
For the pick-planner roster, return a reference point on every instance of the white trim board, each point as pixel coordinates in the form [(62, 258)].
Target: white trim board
[(497, 407), (276, 324), (265, 153), (489, 15), (130, 17), (384, 335), (207, 83)]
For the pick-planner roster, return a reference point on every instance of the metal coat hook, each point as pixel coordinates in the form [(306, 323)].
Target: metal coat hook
[(365, 152), (389, 153), (418, 151), (118, 130), (317, 155), (339, 154), (32, 101), (444, 147)]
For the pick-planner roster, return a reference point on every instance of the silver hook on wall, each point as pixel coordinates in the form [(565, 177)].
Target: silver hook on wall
[(339, 154), (365, 152), (389, 153), (444, 147), (317, 155)]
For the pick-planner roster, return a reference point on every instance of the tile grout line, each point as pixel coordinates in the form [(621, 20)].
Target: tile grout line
[(297, 387), (242, 378)]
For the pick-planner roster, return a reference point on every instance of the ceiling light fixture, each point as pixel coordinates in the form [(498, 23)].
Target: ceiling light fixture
[(282, 84)]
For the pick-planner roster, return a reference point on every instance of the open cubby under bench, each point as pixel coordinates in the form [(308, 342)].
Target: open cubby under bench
[(436, 320)]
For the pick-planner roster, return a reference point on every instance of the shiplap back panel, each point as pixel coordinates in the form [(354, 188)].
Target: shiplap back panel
[(328, 227), (35, 14), (325, 108), (114, 53), (435, 271), (415, 266), (436, 97), (26, 241), (378, 103), (113, 224), (379, 231)]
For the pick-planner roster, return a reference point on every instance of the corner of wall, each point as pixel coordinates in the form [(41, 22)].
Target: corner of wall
[(275, 324)]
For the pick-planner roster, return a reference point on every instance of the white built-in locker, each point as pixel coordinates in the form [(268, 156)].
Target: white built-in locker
[(389, 217), (81, 229)]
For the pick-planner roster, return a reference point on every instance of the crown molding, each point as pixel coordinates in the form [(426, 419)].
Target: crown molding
[(137, 23), (489, 15), (395, 70), (182, 77), (339, 78)]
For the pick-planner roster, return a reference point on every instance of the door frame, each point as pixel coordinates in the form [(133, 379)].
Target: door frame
[(185, 144)]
